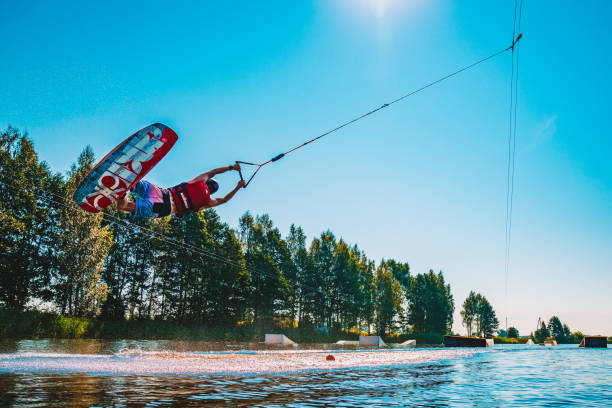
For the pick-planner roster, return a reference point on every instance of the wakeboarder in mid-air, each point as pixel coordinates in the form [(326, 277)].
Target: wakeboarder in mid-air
[(151, 201)]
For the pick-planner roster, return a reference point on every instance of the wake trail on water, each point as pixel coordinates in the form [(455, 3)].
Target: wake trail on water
[(218, 362)]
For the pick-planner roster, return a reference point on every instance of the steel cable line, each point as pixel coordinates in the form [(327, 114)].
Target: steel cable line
[(278, 157), (156, 235), (281, 155), (518, 6), (128, 224)]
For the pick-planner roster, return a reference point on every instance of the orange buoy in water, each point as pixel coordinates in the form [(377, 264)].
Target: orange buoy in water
[(330, 358)]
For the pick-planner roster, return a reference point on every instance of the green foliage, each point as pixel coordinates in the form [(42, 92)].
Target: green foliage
[(513, 332), (430, 303), (478, 314), (388, 301), (470, 311), (510, 340), (556, 330), (322, 252), (542, 333), (401, 274), (367, 295), (576, 337), (27, 233), (82, 245), (267, 260), (559, 331), (400, 271), (165, 274), (426, 338), (487, 319), (34, 324)]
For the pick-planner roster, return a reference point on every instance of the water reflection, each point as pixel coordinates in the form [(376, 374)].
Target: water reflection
[(92, 346), (504, 376), (388, 387)]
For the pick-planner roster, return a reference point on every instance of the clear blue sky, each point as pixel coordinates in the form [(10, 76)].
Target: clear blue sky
[(423, 181)]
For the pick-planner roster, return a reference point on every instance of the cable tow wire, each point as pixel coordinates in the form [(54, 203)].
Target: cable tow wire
[(67, 201), (383, 106), (518, 8)]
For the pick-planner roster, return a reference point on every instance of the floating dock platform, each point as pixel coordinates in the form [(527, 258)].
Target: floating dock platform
[(347, 342), (371, 341), (594, 342), (464, 341), (278, 339)]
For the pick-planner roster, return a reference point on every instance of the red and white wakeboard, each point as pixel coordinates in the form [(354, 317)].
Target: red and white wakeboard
[(123, 167)]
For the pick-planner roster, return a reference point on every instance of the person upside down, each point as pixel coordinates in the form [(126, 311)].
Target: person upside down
[(151, 201)]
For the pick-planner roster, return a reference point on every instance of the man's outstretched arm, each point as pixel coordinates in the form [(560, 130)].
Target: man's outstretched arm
[(211, 173), (218, 201)]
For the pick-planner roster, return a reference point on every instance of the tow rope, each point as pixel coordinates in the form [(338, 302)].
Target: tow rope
[(281, 155)]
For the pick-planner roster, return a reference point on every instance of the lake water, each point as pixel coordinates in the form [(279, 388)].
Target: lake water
[(92, 373)]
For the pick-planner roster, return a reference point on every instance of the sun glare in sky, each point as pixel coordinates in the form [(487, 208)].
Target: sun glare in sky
[(382, 9), (381, 15)]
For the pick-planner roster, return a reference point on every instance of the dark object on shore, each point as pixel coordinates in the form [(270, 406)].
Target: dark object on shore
[(594, 342), (463, 341), (330, 358)]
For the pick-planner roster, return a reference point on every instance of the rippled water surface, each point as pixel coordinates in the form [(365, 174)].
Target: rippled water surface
[(94, 373)]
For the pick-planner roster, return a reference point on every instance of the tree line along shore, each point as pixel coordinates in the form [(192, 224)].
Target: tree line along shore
[(33, 324), (68, 273)]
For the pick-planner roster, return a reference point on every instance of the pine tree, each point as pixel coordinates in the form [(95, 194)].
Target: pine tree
[(28, 215), (322, 252), (159, 243), (351, 294), (401, 273), (558, 330), (82, 246), (277, 247), (296, 245), (388, 299), (513, 332), (367, 284), (116, 267), (542, 333), (430, 303), (265, 255), (228, 281)]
